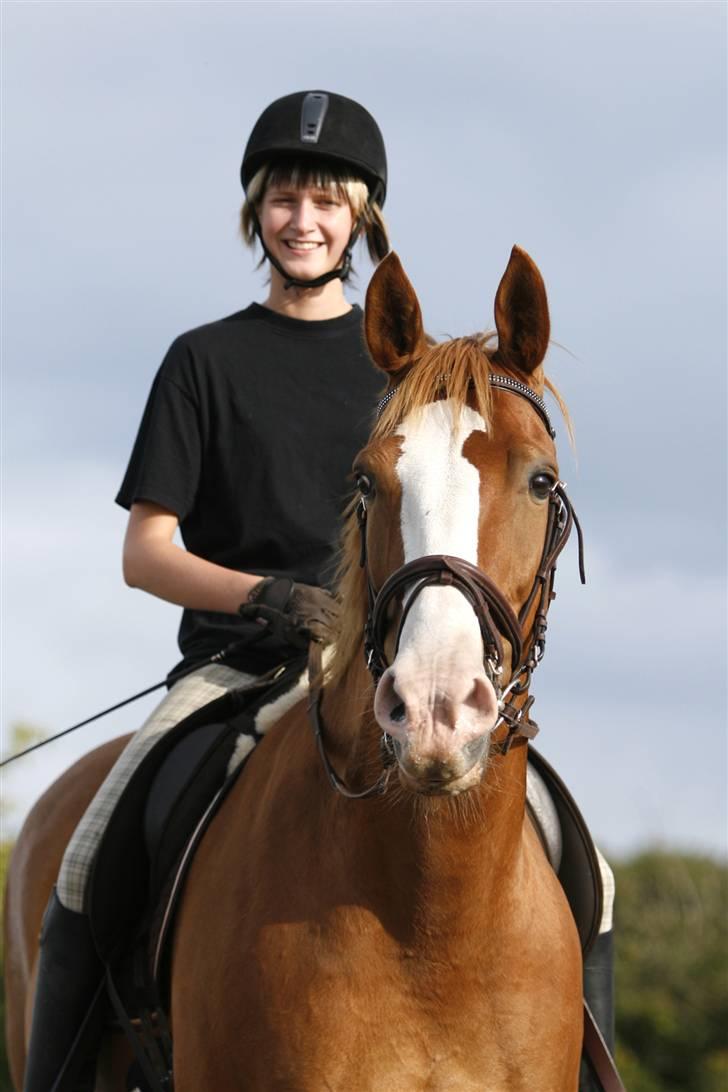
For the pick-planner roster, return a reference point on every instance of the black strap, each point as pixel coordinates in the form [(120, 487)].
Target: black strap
[(315, 689), (149, 1054), (598, 1056)]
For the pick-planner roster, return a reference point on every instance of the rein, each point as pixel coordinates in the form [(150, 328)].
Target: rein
[(496, 618), (316, 692)]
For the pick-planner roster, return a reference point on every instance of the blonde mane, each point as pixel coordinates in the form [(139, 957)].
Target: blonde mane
[(459, 370)]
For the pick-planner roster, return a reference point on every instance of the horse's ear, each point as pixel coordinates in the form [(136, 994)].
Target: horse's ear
[(392, 318), (521, 315)]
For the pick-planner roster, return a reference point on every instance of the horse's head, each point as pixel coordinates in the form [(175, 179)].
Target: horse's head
[(456, 466)]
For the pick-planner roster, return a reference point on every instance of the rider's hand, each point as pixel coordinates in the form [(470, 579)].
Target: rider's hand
[(284, 605)]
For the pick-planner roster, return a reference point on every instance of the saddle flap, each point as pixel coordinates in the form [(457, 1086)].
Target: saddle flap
[(182, 788), (578, 871)]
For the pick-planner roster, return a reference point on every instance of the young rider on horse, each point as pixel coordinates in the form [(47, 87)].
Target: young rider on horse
[(245, 446)]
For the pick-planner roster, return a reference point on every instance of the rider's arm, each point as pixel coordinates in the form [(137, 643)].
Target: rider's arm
[(155, 563)]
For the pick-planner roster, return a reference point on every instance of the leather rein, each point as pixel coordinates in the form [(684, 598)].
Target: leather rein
[(496, 618)]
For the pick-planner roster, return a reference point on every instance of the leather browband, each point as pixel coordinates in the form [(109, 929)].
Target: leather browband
[(505, 382)]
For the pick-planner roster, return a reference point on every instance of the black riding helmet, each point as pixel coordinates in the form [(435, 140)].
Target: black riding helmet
[(323, 125)]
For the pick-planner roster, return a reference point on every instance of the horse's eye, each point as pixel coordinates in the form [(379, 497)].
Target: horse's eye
[(364, 485), (541, 485)]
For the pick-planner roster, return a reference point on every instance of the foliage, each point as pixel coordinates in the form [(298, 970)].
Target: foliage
[(5, 1085), (24, 734), (21, 735), (672, 973)]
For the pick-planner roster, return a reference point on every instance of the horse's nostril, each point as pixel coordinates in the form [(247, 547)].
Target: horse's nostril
[(398, 713)]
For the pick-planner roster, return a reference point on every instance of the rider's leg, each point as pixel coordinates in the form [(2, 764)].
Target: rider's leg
[(599, 985), (69, 971), (65, 1012)]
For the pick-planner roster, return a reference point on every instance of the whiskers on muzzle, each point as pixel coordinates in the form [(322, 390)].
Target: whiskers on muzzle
[(449, 774)]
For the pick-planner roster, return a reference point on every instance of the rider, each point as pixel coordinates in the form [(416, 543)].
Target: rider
[(245, 446)]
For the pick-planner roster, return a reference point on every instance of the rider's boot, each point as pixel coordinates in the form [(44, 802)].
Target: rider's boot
[(599, 996), (69, 1012)]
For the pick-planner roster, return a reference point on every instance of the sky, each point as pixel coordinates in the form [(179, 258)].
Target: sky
[(591, 134)]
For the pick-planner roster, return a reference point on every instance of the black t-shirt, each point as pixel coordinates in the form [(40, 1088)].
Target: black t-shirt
[(248, 436)]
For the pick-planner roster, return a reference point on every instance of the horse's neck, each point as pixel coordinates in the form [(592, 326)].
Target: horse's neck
[(444, 856)]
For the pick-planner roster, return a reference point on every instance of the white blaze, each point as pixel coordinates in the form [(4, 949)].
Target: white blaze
[(440, 487), (435, 698), (439, 512)]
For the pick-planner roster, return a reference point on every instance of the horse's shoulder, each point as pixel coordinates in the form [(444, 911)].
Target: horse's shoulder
[(539, 879)]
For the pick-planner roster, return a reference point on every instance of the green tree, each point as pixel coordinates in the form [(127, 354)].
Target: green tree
[(672, 973)]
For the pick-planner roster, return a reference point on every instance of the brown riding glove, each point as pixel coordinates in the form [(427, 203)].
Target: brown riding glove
[(295, 613)]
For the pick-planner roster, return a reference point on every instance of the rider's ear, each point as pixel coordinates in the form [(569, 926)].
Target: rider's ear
[(392, 318), (521, 315)]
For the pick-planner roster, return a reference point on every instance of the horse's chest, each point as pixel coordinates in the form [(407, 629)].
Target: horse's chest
[(345, 1007)]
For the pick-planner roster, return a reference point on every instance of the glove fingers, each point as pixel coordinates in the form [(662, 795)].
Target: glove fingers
[(292, 612)]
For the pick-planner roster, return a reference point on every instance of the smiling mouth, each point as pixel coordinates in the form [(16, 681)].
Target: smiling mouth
[(295, 244)]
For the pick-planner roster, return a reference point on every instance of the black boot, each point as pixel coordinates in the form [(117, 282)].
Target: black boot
[(599, 995), (69, 1009)]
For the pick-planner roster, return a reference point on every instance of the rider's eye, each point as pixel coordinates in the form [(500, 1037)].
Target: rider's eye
[(364, 485), (541, 485)]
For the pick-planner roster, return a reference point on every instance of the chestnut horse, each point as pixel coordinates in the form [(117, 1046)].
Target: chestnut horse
[(415, 938)]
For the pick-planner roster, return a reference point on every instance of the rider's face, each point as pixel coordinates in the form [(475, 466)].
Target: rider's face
[(305, 229)]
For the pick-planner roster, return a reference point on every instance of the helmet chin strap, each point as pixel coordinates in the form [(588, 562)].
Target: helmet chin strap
[(341, 272)]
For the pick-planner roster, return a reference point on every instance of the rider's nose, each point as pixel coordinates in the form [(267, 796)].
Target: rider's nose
[(302, 215)]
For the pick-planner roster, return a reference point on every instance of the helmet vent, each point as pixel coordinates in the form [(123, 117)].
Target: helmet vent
[(313, 112)]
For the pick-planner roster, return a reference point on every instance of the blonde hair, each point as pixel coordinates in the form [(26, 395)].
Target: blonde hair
[(323, 175)]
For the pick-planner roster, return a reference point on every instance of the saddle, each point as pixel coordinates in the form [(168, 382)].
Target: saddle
[(183, 777), (164, 811)]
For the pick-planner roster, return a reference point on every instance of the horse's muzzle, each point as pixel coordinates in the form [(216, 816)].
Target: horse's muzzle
[(440, 722), (430, 776)]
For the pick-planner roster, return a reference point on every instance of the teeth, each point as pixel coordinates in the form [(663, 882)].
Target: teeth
[(301, 246)]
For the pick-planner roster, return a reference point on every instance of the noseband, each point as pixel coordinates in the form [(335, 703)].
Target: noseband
[(496, 618)]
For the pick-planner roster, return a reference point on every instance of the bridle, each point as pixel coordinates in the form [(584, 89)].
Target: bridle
[(495, 615)]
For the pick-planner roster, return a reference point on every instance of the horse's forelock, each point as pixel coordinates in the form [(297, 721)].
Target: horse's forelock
[(458, 368)]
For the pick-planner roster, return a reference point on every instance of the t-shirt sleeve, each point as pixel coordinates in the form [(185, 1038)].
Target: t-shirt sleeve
[(164, 467)]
